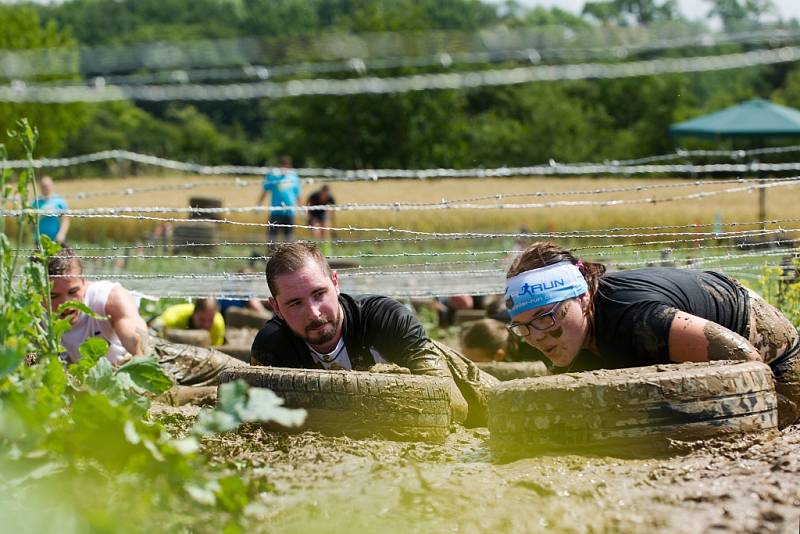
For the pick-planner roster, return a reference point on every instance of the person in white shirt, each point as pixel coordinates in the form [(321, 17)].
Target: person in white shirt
[(121, 326)]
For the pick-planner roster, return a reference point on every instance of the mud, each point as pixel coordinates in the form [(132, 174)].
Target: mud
[(771, 333), (725, 345), (323, 484)]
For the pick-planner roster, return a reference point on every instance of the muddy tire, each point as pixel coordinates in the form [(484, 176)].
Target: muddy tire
[(240, 352), (205, 203), (240, 336), (512, 370), (194, 337), (357, 403), (630, 411), (185, 235), (236, 317)]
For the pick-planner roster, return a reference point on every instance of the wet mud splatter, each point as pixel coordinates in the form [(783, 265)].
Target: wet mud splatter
[(771, 333), (326, 484), (726, 345)]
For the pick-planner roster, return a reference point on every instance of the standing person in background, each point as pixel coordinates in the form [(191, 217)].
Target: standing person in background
[(54, 226), (321, 220), (284, 186)]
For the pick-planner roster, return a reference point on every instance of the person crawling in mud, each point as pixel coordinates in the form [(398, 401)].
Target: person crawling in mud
[(317, 326), (583, 318), (203, 314), (124, 329), (121, 325)]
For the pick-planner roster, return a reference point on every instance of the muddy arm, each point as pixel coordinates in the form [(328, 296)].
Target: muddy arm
[(126, 321), (694, 339), (431, 361)]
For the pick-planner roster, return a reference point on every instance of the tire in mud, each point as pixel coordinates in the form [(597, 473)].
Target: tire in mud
[(512, 370), (357, 403), (192, 336), (236, 317), (240, 352), (630, 412)]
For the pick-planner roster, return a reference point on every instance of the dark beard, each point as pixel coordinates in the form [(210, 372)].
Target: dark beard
[(326, 335)]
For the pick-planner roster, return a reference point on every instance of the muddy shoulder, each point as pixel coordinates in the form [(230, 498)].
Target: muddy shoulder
[(337, 484)]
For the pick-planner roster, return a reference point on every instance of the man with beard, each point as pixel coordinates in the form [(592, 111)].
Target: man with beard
[(317, 326)]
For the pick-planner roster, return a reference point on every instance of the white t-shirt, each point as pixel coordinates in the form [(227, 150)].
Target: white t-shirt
[(338, 357), (85, 327)]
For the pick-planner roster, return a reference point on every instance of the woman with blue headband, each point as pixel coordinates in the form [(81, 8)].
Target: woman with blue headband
[(583, 318)]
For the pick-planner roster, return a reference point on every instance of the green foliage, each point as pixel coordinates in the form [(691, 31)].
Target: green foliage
[(239, 404), (23, 30), (739, 14), (625, 12), (78, 451), (567, 121), (784, 295)]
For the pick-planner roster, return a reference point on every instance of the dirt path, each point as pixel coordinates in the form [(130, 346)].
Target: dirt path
[(325, 484)]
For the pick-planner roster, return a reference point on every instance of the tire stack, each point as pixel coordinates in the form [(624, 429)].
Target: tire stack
[(197, 232)]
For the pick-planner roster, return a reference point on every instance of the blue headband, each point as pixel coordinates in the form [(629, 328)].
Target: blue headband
[(546, 285)]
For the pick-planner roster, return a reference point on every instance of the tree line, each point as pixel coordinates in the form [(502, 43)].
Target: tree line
[(591, 120)]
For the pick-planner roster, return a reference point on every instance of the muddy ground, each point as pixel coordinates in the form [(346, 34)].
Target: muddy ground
[(327, 484)]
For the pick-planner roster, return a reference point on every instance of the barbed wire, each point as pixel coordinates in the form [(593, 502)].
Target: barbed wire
[(733, 154), (415, 283), (608, 233), (576, 234), (645, 186), (312, 175), (608, 248), (21, 92), (374, 272), (395, 206), (723, 257), (358, 53), (692, 246)]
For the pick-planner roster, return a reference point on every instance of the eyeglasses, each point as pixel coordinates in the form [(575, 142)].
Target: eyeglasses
[(542, 322)]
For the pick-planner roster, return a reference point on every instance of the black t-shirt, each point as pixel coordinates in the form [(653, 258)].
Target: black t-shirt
[(633, 312), (315, 199), (370, 322)]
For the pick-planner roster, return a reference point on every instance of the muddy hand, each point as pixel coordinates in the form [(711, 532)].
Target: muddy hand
[(389, 368), (123, 360)]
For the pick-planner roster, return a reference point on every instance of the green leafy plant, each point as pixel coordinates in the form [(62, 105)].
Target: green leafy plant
[(78, 449), (781, 288)]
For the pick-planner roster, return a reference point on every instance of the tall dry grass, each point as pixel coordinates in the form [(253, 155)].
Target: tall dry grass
[(781, 203)]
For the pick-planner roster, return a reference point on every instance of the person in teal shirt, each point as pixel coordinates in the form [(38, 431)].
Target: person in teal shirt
[(284, 186), (53, 226)]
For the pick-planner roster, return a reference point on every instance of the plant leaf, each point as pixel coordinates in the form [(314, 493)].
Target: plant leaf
[(10, 358), (264, 405), (232, 394), (80, 306), (145, 372), (101, 376)]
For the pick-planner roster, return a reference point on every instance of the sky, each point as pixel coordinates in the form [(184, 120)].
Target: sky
[(692, 9)]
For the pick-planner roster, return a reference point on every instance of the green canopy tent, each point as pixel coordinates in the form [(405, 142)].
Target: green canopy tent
[(754, 119)]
